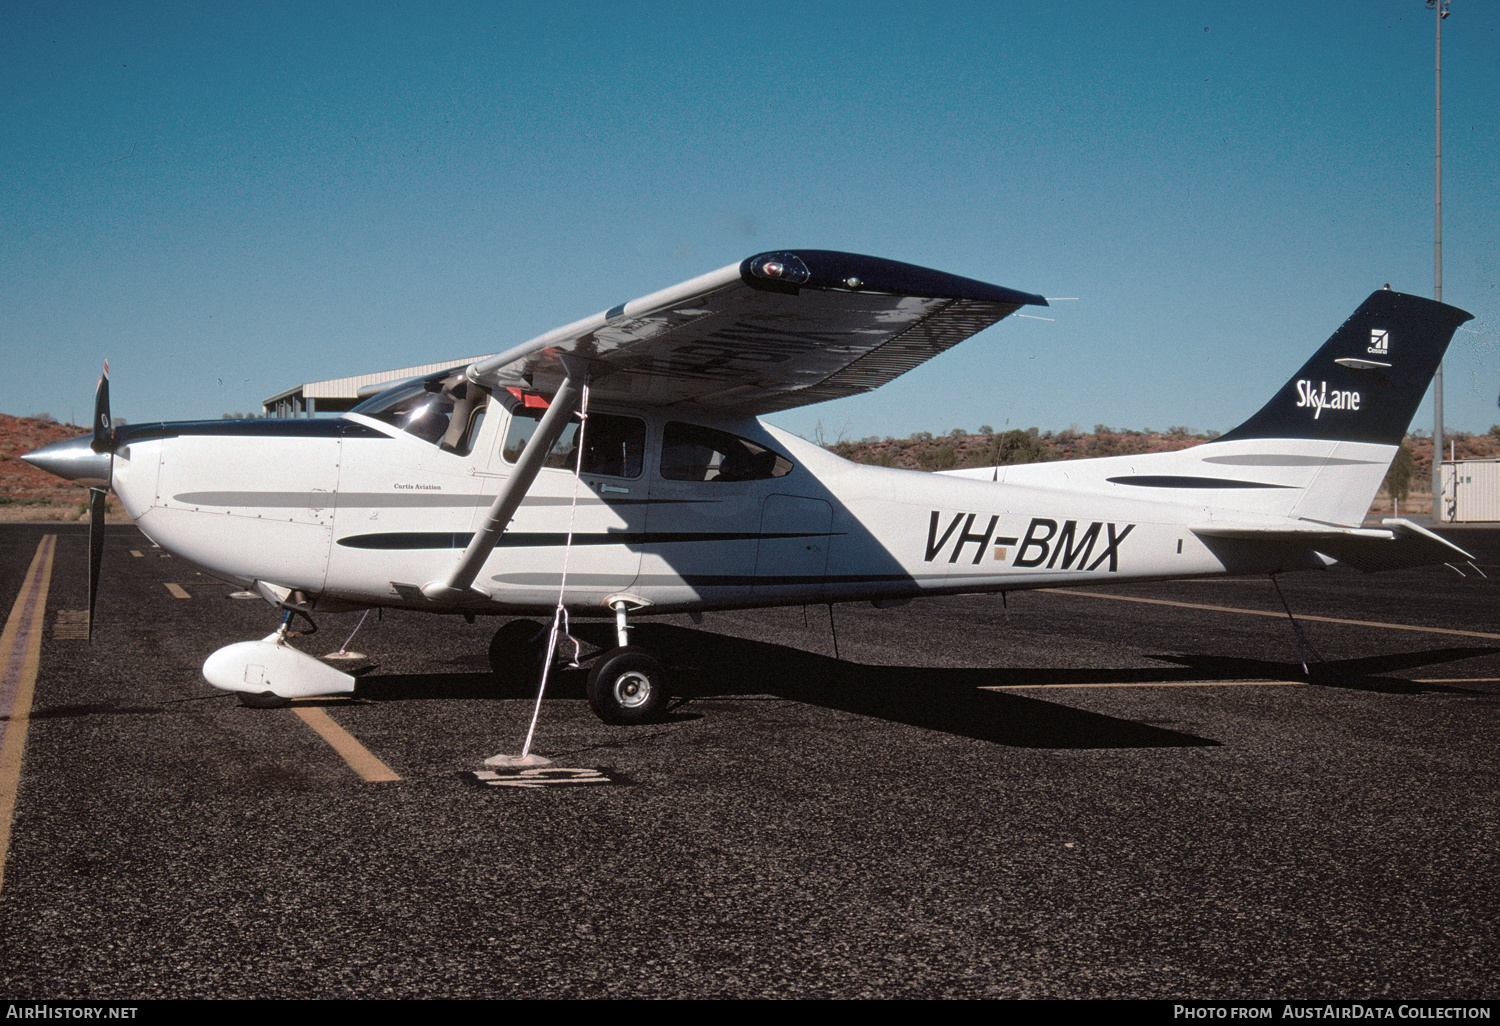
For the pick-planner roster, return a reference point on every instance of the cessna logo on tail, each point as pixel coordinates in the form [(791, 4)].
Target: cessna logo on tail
[(1380, 342), (1321, 399), (1066, 548)]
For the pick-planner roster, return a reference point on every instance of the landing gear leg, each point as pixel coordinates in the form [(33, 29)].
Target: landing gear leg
[(627, 684), (622, 628)]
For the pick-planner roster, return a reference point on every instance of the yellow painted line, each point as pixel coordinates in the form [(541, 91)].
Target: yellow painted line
[(178, 591), (1155, 684), (1273, 612), (20, 654), (358, 757), (136, 553)]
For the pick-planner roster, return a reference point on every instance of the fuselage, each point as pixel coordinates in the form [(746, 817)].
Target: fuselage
[(681, 512)]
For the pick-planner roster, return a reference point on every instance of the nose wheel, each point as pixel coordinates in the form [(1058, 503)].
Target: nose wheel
[(627, 685)]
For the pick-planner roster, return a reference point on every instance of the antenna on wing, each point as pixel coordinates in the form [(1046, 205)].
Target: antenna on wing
[(1050, 299)]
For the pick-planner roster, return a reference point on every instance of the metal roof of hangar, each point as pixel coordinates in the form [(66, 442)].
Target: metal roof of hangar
[(337, 395)]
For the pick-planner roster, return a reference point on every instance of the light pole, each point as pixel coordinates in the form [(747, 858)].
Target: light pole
[(1441, 7)]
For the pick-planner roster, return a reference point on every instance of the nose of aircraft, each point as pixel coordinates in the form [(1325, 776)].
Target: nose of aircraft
[(73, 460)]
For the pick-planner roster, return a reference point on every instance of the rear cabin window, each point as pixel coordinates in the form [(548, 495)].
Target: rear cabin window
[(693, 453), (614, 446)]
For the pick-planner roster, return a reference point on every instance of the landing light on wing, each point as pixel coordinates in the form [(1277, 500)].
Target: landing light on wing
[(787, 267)]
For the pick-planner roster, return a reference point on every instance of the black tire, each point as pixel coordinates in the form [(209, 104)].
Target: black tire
[(263, 700), (627, 685), (516, 652)]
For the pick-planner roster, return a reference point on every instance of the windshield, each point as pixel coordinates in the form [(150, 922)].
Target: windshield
[(448, 417)]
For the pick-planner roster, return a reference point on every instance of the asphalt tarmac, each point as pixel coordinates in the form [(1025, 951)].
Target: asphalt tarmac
[(1074, 796)]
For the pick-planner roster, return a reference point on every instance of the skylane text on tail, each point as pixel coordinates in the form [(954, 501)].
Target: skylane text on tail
[(627, 445)]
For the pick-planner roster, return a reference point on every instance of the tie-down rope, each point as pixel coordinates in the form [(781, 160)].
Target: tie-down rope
[(560, 614)]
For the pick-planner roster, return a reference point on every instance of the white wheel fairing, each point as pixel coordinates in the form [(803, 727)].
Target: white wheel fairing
[(268, 665)]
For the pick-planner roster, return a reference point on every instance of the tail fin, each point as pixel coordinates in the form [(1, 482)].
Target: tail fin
[(1366, 382)]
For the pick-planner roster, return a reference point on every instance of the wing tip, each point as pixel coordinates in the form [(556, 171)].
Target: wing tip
[(855, 272)]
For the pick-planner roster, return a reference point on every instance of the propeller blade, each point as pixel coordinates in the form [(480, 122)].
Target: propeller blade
[(103, 441), (96, 548), (104, 427)]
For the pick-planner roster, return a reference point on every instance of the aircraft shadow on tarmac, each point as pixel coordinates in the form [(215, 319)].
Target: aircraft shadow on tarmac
[(1355, 674), (954, 701), (706, 665)]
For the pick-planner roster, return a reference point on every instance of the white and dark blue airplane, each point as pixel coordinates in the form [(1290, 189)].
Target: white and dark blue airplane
[(625, 448)]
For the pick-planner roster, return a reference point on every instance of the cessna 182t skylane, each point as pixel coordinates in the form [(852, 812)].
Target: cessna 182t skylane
[(625, 448)]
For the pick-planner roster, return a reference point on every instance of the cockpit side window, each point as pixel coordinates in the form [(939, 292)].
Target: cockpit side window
[(442, 411), (693, 453), (614, 446)]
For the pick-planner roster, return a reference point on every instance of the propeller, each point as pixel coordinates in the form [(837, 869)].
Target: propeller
[(104, 427), (104, 441), (89, 461)]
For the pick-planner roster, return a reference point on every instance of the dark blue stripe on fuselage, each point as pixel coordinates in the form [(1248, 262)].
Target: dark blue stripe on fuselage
[(1171, 481), (543, 539), (289, 427), (772, 580)]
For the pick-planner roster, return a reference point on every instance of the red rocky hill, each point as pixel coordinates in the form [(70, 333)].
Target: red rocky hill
[(27, 493)]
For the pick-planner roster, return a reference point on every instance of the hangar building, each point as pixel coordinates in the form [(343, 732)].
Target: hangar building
[(338, 395)]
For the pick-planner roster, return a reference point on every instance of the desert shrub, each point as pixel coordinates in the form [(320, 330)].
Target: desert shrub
[(1010, 447), (1398, 478), (940, 457)]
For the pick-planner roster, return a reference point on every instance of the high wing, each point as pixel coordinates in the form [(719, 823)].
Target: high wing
[(779, 330)]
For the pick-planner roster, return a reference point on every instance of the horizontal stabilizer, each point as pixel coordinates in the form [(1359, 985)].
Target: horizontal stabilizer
[(1395, 545)]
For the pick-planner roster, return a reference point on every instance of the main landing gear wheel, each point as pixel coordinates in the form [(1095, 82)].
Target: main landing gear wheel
[(627, 685), (516, 652)]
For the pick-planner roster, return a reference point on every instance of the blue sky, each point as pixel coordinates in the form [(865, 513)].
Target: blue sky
[(228, 200)]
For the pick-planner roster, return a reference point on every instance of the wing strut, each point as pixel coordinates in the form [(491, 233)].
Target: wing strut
[(512, 491)]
